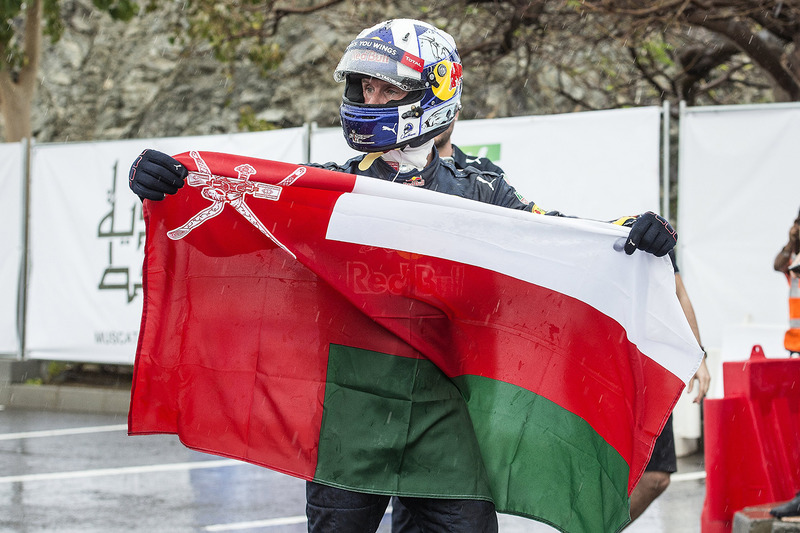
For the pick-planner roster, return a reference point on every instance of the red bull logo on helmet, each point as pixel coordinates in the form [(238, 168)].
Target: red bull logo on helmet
[(448, 78)]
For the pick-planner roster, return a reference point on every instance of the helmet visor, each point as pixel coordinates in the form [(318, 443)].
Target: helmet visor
[(382, 60)]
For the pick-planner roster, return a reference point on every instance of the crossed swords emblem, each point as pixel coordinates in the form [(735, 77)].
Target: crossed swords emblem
[(223, 190)]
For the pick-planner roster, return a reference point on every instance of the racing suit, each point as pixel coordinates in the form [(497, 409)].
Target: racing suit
[(462, 160), (402, 521), (443, 176)]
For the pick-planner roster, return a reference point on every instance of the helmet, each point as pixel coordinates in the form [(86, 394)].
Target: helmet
[(414, 56)]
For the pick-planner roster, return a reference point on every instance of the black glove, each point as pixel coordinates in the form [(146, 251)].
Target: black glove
[(651, 233), (155, 174)]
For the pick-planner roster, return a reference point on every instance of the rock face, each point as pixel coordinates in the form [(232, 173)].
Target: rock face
[(107, 80)]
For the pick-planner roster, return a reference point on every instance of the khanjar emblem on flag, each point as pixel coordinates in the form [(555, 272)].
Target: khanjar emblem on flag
[(223, 190)]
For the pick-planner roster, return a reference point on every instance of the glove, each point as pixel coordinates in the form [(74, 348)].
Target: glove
[(155, 174), (651, 233)]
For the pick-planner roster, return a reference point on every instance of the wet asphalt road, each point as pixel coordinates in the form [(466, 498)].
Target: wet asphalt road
[(80, 472)]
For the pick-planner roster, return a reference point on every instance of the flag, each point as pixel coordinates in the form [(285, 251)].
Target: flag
[(389, 339)]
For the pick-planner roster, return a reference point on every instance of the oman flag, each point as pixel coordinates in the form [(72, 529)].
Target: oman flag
[(389, 339)]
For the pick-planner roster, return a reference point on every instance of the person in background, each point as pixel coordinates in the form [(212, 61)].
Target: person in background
[(450, 152), (788, 262), (790, 508)]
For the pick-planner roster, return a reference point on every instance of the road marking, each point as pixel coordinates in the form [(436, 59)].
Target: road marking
[(62, 432), (125, 470), (290, 520), (688, 476), (172, 467), (285, 521), (269, 522)]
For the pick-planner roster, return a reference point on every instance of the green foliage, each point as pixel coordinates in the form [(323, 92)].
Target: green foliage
[(12, 22), (14, 13), (658, 51), (118, 9), (248, 121), (267, 56), (55, 369), (10, 9), (53, 26), (235, 29)]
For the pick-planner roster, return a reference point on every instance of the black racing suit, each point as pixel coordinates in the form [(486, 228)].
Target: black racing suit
[(442, 176), (333, 509), (484, 164)]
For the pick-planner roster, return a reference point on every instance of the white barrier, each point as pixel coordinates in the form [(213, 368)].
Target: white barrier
[(84, 298), (597, 164), (739, 193), (568, 162), (11, 213)]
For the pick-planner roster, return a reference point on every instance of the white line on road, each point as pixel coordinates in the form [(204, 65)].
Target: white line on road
[(289, 520), (272, 522), (689, 476), (269, 522), (62, 432), (145, 469)]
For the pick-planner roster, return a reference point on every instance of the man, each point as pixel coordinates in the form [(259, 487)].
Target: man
[(402, 88), (787, 262), (449, 151)]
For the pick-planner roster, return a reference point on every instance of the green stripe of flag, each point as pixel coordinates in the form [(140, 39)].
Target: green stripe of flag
[(408, 415), (544, 461), (504, 443)]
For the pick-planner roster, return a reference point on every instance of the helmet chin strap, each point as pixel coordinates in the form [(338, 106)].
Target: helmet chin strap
[(370, 158), (410, 158)]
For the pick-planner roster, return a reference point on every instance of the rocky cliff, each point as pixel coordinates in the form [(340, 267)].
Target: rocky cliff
[(109, 80)]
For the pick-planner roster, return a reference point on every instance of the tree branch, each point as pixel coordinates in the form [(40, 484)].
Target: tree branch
[(645, 73), (753, 45), (32, 46)]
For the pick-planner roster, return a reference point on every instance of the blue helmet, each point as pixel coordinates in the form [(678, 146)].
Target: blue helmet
[(414, 56)]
